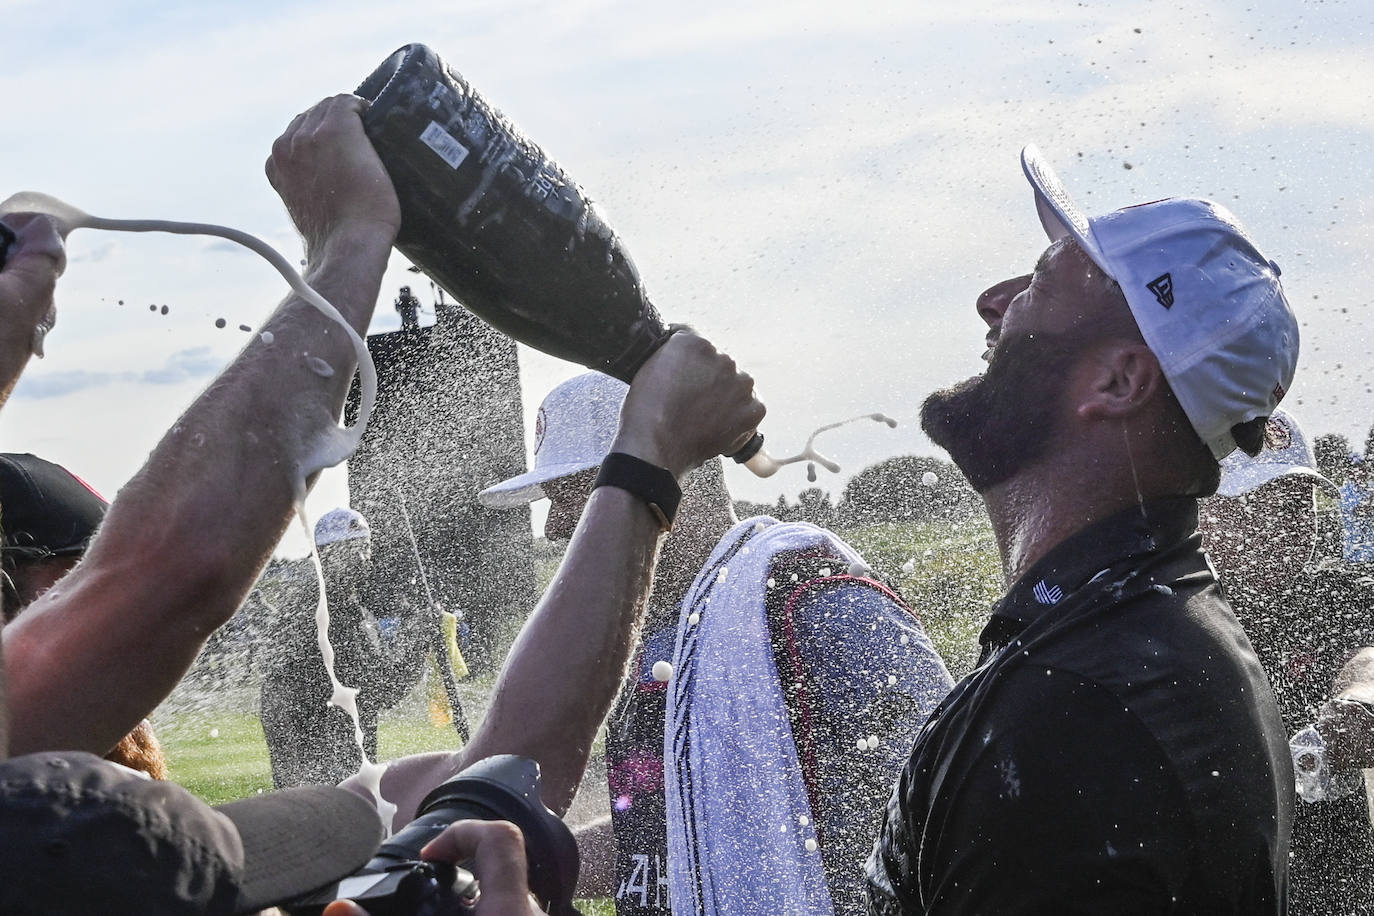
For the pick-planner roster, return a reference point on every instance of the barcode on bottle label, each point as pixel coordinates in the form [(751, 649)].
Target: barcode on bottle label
[(443, 143)]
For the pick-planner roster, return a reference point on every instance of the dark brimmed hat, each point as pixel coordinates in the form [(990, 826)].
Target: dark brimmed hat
[(45, 507), (83, 835)]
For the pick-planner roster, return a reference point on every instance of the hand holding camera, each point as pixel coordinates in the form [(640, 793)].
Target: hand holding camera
[(496, 851), (488, 818)]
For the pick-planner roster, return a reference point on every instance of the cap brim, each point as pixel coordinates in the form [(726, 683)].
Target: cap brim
[(528, 487), (346, 536), (296, 841), (1059, 215)]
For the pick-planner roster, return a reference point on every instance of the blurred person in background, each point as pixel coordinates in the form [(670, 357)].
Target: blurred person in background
[(50, 515), (310, 740), (1311, 621), (1357, 510)]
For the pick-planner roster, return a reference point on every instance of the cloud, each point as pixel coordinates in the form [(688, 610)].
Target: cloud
[(94, 255), (825, 191), (183, 366), (39, 386)]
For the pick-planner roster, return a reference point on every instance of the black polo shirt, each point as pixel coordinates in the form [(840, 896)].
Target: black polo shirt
[(1118, 749)]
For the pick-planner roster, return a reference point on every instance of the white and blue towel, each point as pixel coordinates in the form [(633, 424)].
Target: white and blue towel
[(741, 831)]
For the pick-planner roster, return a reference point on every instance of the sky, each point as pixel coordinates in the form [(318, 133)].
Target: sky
[(822, 189)]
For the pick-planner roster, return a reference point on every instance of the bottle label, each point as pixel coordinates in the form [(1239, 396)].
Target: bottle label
[(444, 143)]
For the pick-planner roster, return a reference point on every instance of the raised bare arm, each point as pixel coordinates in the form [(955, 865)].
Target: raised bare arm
[(687, 404), (186, 538)]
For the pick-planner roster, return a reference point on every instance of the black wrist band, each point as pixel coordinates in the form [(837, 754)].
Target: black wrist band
[(655, 485)]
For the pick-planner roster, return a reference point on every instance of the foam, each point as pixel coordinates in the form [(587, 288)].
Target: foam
[(327, 449), (765, 465)]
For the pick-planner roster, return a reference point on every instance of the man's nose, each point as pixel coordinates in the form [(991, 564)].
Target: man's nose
[(993, 301)]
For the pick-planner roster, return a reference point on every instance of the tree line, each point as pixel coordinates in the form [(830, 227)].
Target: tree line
[(905, 488)]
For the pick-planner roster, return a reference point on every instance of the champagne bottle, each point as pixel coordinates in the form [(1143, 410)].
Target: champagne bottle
[(499, 225), (493, 220)]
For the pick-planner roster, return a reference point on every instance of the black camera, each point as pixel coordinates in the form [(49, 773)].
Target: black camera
[(397, 882)]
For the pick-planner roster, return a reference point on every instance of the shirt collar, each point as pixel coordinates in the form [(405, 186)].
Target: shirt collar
[(1075, 561)]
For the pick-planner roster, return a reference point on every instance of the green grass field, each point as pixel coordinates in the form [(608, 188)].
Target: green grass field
[(953, 582), (216, 749), (220, 755)]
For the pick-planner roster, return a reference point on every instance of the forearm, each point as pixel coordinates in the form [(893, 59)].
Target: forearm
[(596, 845), (580, 635), (15, 350), (689, 402), (188, 535), (567, 664)]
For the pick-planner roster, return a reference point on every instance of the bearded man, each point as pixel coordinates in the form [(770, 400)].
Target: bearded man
[(1118, 749)]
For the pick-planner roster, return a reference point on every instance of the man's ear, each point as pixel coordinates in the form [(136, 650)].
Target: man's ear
[(1121, 378)]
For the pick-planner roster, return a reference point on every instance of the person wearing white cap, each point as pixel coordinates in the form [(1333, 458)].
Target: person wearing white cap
[(1311, 621), (1118, 748), (309, 741), (730, 597), (344, 524)]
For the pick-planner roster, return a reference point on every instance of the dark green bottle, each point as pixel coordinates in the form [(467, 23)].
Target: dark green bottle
[(499, 225)]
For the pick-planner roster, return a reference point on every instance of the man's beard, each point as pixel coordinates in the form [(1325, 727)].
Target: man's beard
[(998, 423)]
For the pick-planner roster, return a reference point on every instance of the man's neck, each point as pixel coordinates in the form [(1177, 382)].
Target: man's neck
[(1039, 508)]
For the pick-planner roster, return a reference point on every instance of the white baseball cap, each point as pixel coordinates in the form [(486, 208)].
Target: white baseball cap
[(1286, 453), (342, 524), (1208, 304), (573, 431)]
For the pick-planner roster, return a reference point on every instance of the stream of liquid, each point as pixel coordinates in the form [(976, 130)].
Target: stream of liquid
[(344, 697), (334, 444), (765, 465), (330, 447)]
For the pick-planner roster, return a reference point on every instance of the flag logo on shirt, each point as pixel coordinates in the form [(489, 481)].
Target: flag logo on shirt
[(1046, 593)]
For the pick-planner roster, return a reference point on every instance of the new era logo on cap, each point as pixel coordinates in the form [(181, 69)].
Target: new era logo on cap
[(1163, 288), (1046, 593)]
